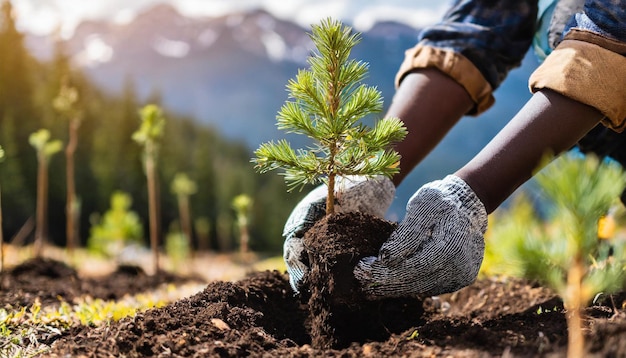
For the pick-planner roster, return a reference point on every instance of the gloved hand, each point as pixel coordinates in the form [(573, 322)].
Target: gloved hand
[(371, 196), (437, 248)]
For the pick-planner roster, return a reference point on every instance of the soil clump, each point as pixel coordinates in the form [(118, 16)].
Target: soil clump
[(336, 304)]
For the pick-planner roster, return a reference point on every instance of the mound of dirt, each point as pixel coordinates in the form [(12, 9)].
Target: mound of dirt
[(49, 280), (259, 317), (339, 314)]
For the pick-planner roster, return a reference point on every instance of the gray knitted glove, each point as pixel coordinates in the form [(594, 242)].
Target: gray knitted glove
[(437, 248), (372, 196)]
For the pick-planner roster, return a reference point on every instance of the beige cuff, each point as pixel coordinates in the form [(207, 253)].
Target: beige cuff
[(455, 65), (590, 69)]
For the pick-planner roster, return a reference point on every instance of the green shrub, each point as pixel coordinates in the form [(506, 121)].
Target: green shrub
[(118, 227)]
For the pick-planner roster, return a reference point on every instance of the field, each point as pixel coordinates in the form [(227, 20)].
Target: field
[(257, 315)]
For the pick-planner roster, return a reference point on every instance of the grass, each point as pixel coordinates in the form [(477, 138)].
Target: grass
[(29, 331)]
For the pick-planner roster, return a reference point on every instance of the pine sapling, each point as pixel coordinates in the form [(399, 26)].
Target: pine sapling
[(568, 256), (328, 103), (148, 135), (183, 187), (242, 204), (66, 104), (45, 148)]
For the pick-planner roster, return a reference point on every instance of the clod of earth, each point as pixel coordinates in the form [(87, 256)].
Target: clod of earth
[(338, 312)]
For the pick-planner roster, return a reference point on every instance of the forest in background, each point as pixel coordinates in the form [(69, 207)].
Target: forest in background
[(108, 160)]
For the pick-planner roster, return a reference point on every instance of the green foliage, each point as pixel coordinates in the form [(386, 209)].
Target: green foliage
[(110, 160), (242, 204), (581, 190), (182, 185), (507, 231), (118, 228), (328, 103), (45, 148), (152, 125), (177, 248), (66, 103), (1, 154), (578, 192)]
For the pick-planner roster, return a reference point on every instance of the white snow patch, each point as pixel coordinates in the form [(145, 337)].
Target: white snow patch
[(275, 46), (207, 37), (170, 48), (96, 51)]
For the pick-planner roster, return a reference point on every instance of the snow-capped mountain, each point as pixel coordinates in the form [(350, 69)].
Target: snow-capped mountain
[(231, 71)]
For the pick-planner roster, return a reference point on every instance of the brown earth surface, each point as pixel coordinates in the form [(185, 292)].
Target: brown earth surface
[(259, 316)]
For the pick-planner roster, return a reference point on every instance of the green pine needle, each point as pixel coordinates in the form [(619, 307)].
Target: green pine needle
[(327, 103)]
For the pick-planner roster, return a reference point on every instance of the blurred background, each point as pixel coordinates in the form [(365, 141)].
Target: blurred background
[(218, 69)]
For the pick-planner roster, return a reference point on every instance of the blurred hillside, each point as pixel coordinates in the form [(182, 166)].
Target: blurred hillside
[(230, 72)]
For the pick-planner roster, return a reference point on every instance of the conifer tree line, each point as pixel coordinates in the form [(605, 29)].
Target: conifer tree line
[(106, 159)]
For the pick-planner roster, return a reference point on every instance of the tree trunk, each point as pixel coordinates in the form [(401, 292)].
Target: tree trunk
[(42, 205), (71, 207), (574, 305), (185, 217), (152, 206), (330, 197), (244, 241)]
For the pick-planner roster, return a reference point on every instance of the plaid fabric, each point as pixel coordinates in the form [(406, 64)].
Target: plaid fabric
[(605, 17), (495, 35)]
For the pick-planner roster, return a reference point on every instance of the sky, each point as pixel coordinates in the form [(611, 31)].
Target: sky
[(44, 16)]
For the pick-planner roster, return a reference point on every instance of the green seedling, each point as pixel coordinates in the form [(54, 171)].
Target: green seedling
[(183, 188), (328, 102), (242, 204), (66, 105), (45, 148), (149, 135), (567, 254), (118, 227)]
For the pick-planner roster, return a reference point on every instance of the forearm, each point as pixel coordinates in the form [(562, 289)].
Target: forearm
[(548, 123), (429, 103)]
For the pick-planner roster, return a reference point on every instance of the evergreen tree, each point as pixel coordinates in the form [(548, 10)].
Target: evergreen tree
[(149, 135), (328, 103), (66, 104), (45, 148), (16, 86), (183, 187)]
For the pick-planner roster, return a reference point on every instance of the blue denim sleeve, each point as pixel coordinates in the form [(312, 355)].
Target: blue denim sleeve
[(493, 35), (604, 17)]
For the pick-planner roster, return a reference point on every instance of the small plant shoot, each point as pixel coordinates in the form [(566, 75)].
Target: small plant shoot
[(149, 135), (328, 102), (568, 255)]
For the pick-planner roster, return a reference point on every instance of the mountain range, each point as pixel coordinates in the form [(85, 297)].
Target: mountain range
[(230, 72)]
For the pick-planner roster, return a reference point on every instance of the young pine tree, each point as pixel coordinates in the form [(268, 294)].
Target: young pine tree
[(242, 204), (568, 256), (66, 105), (45, 148), (149, 135), (183, 187), (328, 103)]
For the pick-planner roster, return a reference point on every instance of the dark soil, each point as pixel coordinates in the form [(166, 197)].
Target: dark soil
[(335, 245), (50, 281), (260, 317)]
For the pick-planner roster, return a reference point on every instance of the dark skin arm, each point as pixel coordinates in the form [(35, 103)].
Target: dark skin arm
[(430, 103), (548, 123)]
